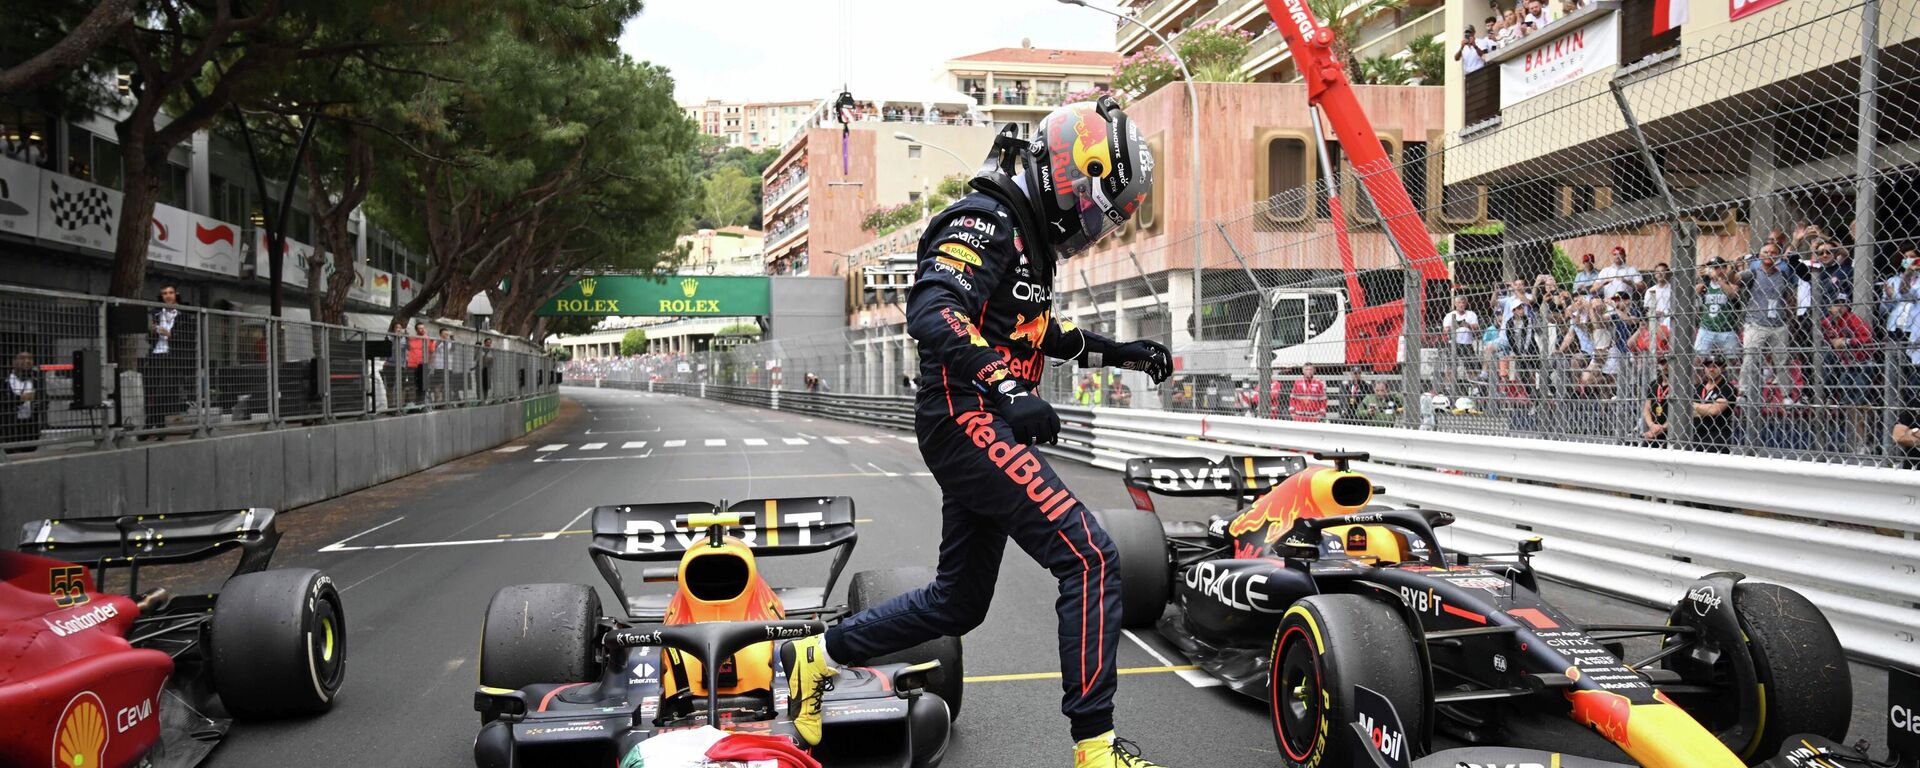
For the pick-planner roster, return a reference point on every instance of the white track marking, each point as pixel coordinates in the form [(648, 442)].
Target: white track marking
[(793, 441), (552, 448), (593, 446), (756, 441), (716, 442), (555, 533), (877, 468), (632, 444), (556, 459), (837, 440), (673, 444), (905, 439), (870, 440), (342, 544), (1194, 677), (510, 449)]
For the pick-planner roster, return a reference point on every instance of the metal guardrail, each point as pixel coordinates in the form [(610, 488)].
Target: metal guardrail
[(85, 371), (1638, 523)]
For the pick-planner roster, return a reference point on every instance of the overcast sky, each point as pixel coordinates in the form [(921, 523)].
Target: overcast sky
[(780, 50)]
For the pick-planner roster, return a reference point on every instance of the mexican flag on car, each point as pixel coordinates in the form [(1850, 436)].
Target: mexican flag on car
[(709, 747)]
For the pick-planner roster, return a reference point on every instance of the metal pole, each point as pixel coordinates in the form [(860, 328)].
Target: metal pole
[(1680, 363), (1262, 354), (273, 372), (201, 374), (1193, 155), (1865, 203)]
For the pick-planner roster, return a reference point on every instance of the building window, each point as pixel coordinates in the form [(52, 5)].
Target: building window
[(1286, 177), (25, 135), (173, 188), (913, 151)]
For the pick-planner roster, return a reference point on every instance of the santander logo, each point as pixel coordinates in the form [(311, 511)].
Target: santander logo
[(81, 621), (219, 234)]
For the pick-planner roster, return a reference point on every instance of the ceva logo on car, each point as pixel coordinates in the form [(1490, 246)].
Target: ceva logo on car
[(131, 717)]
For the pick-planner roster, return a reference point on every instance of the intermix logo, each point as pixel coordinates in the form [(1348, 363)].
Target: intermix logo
[(586, 287), (689, 286)]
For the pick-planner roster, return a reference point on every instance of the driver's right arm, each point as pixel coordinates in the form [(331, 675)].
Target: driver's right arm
[(958, 272)]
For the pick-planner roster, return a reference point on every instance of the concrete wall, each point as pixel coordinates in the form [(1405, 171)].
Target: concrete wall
[(283, 469)]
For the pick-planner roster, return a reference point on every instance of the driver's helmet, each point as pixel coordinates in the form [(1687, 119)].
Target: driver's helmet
[(1089, 171), (1437, 402), (1464, 404)]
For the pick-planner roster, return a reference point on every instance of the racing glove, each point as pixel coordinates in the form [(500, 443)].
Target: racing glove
[(1031, 418), (1149, 357)]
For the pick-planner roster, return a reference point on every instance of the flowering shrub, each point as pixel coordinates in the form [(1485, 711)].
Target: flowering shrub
[(888, 218), (1213, 52), (1090, 94)]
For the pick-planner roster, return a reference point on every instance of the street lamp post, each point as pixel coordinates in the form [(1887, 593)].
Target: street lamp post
[(907, 137), (1193, 152)]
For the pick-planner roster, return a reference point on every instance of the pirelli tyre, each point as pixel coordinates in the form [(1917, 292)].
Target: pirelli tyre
[(1326, 646), (871, 588), (1780, 672), (540, 633), (277, 644), (1146, 568)]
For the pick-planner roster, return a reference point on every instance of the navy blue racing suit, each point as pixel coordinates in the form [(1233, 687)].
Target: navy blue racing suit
[(982, 313)]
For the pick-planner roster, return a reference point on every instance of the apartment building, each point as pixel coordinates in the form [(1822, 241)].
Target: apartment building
[(1021, 85), (1385, 33), (754, 125), (724, 251)]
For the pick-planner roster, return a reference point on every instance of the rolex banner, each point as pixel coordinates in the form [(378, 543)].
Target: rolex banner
[(666, 295)]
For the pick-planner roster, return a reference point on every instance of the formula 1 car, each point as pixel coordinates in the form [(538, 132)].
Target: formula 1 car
[(1318, 602), (563, 685), (92, 679)]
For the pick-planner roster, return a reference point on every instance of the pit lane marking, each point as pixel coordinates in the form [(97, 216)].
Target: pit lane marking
[(1176, 669), (1194, 677), (510, 449)]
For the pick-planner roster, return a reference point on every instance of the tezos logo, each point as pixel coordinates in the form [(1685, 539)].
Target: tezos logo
[(786, 633), (1705, 599)]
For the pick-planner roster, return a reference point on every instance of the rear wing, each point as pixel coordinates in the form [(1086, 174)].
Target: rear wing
[(1239, 477), (660, 532), (130, 541)]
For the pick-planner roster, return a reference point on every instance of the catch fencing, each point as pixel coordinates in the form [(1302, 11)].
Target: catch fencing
[(86, 371), (1761, 185)]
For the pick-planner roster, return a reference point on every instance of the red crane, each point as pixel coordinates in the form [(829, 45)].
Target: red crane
[(1372, 331)]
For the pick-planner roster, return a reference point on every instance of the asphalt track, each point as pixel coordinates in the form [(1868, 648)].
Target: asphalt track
[(418, 558)]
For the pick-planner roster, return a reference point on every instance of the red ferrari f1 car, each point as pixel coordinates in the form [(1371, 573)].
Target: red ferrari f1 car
[(1365, 636), (148, 678)]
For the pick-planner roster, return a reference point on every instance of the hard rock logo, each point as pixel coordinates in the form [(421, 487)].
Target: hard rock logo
[(689, 286), (586, 287)]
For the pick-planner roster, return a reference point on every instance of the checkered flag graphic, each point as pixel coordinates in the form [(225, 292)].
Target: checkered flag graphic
[(85, 208)]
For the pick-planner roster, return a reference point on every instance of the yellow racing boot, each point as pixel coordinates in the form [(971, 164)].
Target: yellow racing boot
[(1109, 751), (809, 680)]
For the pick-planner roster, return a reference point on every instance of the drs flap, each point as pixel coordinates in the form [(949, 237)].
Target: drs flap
[(790, 526), (1232, 476)]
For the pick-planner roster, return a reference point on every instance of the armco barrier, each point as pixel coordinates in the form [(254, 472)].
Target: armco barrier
[(1637, 523), (282, 469)]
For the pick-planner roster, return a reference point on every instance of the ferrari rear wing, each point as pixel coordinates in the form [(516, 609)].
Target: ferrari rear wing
[(1240, 477), (660, 532), (131, 541)]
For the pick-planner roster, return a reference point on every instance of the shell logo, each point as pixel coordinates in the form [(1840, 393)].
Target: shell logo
[(81, 739)]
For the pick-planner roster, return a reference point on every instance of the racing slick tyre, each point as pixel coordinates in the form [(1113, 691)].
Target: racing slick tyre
[(1146, 571), (1326, 646), (1798, 666), (871, 588), (540, 633), (277, 644)]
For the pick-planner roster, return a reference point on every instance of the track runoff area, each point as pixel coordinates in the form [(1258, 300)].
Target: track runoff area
[(417, 560)]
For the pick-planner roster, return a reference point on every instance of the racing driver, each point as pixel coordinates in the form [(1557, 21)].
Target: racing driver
[(981, 310)]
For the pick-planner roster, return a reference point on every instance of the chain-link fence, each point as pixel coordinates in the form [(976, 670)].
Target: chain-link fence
[(86, 371), (1714, 247)]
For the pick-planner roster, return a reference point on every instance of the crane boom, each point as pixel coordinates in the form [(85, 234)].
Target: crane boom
[(1329, 90)]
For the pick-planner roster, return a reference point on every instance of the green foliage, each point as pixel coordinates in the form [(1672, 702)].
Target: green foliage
[(1213, 52), (1563, 269), (728, 197), (887, 218), (1345, 19), (571, 325), (1428, 56), (633, 342), (559, 354), (1385, 70), (739, 329)]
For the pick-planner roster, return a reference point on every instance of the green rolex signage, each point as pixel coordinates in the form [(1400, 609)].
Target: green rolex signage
[(668, 295)]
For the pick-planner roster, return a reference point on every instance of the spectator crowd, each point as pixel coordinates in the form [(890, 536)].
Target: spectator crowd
[(1506, 26)]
